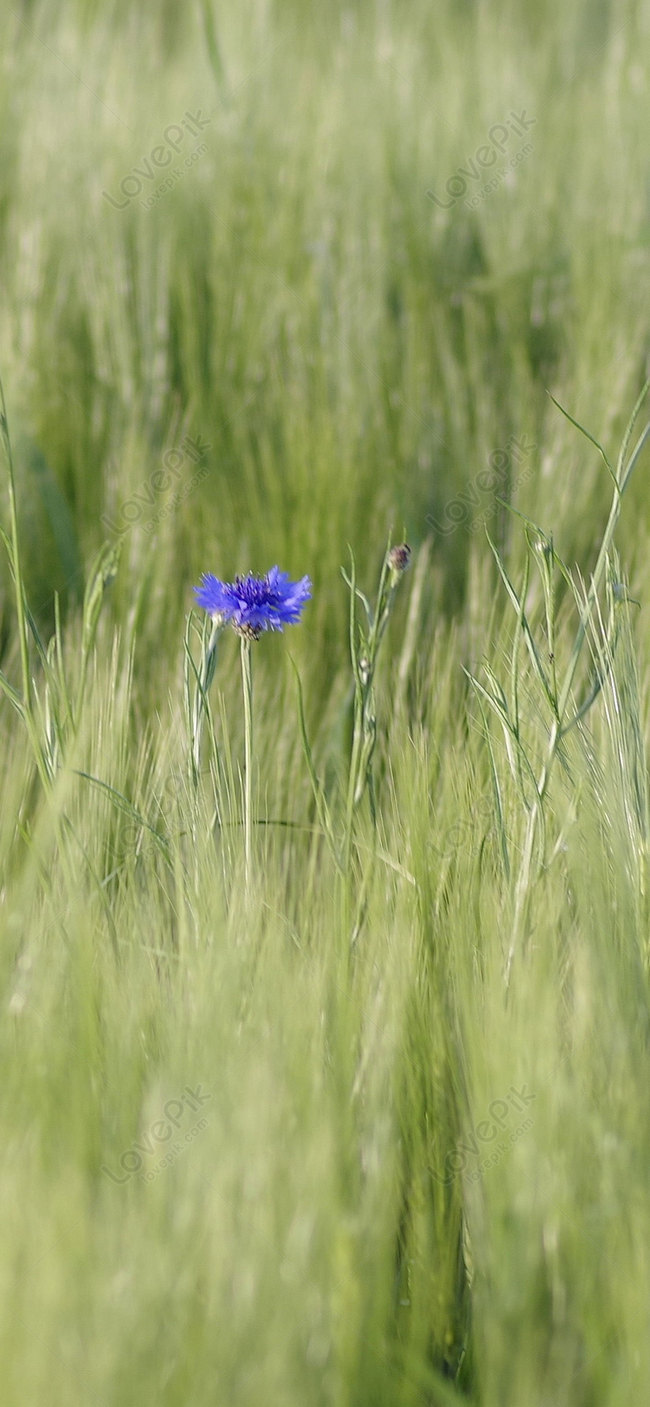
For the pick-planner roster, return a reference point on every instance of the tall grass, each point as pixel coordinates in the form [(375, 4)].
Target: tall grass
[(364, 1121)]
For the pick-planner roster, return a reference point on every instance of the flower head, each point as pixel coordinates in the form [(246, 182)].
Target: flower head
[(253, 604), (399, 558)]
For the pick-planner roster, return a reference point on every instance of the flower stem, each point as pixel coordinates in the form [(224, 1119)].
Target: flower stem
[(247, 683)]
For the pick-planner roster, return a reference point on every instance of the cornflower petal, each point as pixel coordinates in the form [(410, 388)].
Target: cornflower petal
[(253, 604)]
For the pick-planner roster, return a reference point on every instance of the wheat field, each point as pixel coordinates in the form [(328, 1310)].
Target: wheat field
[(325, 1006)]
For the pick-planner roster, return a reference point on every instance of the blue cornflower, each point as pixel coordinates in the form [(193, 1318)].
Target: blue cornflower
[(253, 604)]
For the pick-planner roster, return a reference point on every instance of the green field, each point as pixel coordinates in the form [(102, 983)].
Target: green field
[(325, 1079)]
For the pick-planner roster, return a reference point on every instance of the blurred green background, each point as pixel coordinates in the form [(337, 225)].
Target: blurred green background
[(352, 351)]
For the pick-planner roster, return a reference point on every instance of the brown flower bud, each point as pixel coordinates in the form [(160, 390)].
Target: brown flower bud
[(399, 557)]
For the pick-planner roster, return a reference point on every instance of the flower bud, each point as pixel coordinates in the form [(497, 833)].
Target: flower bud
[(399, 557)]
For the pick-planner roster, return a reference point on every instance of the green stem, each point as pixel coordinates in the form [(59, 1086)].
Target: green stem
[(352, 786), (15, 557), (558, 726), (13, 549), (247, 683), (213, 48), (364, 662), (598, 573), (208, 665)]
